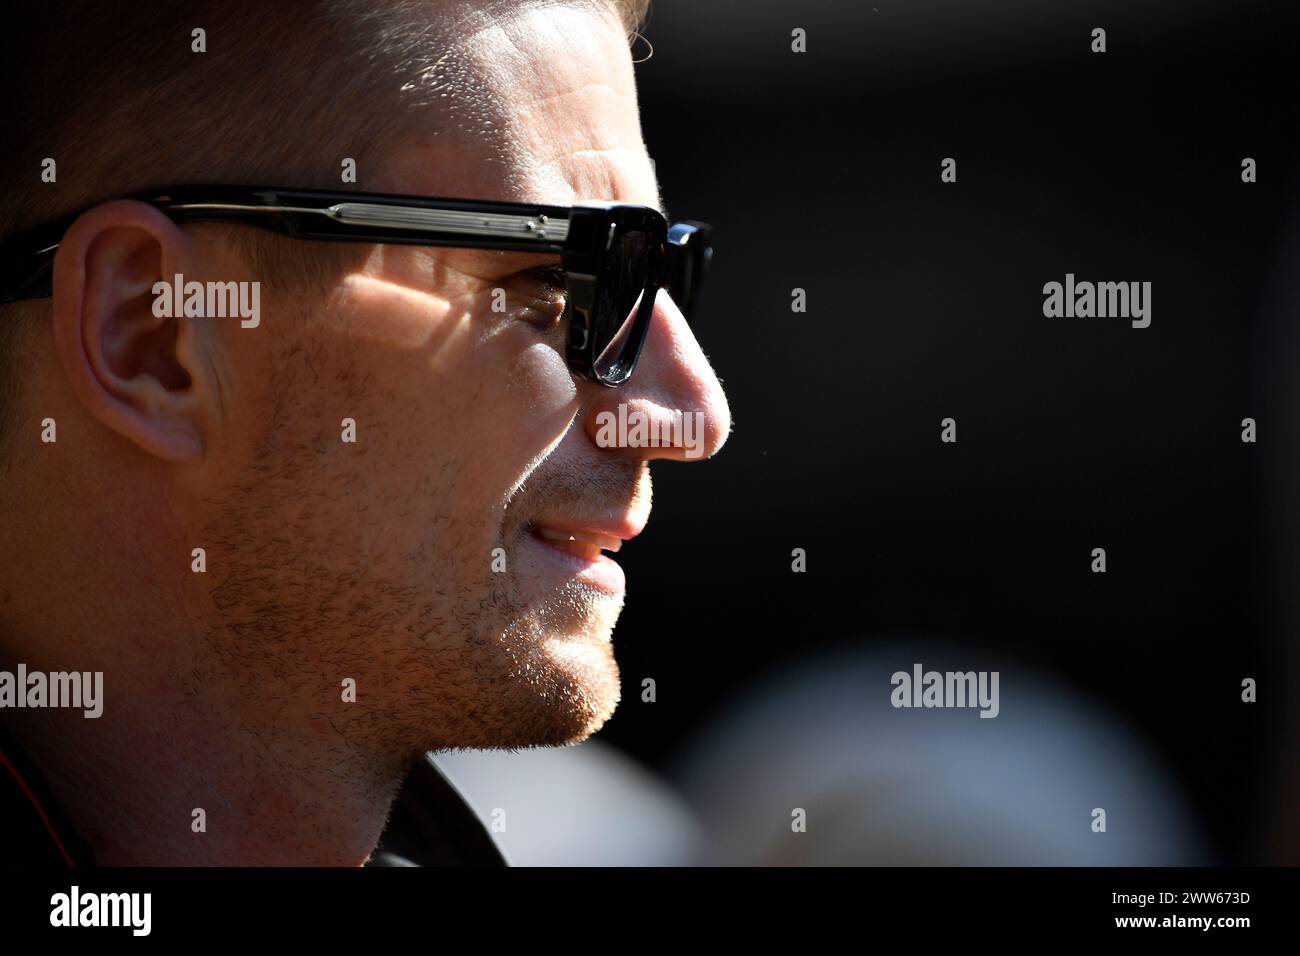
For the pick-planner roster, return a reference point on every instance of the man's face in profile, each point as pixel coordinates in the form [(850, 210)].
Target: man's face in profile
[(450, 560), (399, 486)]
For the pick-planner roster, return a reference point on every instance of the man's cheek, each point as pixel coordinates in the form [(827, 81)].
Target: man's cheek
[(529, 413), (511, 428), (512, 396), (539, 378), (393, 316)]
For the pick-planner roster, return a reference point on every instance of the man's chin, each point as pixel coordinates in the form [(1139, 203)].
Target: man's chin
[(574, 724), (585, 679), (559, 678), (566, 694)]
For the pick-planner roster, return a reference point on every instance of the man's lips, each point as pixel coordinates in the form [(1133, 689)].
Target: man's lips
[(581, 543), (606, 531)]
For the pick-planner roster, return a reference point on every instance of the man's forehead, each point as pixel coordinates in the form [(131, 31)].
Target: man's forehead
[(538, 107)]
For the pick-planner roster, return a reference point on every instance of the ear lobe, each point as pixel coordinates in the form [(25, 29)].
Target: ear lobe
[(125, 364)]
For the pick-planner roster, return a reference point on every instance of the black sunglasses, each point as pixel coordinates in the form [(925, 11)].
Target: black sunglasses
[(615, 257)]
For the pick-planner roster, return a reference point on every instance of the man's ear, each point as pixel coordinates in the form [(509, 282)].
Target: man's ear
[(141, 375)]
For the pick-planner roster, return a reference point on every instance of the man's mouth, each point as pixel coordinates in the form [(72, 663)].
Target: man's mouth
[(582, 544), (578, 547)]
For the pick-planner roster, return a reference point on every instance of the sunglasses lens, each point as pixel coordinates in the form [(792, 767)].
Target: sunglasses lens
[(619, 300)]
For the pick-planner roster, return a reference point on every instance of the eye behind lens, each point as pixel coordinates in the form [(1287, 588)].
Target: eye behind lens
[(543, 295), (553, 276)]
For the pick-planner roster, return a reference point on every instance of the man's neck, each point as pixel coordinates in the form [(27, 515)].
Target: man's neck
[(162, 779)]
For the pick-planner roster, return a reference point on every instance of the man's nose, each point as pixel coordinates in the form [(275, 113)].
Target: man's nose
[(672, 407)]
